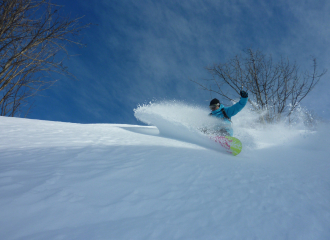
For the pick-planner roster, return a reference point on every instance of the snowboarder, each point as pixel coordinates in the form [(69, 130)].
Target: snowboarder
[(225, 113)]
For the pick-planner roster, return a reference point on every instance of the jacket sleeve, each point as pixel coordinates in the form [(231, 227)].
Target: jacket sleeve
[(233, 110)]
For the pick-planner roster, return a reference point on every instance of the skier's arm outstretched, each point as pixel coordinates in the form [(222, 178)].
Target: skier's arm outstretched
[(233, 110)]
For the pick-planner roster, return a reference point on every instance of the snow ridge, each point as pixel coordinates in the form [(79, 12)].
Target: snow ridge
[(117, 181)]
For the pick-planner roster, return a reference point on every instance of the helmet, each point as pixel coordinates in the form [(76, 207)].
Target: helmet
[(214, 104), (214, 101)]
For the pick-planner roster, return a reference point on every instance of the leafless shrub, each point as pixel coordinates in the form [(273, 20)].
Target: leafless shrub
[(274, 88)]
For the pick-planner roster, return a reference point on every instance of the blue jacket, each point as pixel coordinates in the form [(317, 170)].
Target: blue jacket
[(230, 111)]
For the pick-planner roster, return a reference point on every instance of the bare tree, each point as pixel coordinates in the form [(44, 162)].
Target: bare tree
[(275, 89), (33, 40)]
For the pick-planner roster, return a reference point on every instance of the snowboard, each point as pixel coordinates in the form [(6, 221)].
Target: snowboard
[(231, 144)]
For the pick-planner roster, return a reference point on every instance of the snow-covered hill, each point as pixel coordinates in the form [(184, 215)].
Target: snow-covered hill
[(114, 181)]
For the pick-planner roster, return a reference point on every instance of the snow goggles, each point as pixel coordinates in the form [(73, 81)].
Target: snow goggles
[(214, 106)]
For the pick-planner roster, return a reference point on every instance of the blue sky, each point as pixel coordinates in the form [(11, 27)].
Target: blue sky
[(145, 50)]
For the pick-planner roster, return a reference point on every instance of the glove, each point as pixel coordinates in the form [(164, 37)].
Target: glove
[(244, 94)]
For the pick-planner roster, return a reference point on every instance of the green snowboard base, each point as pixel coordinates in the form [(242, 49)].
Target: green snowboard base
[(231, 144)]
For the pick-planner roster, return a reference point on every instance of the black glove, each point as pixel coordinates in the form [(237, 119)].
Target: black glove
[(244, 94)]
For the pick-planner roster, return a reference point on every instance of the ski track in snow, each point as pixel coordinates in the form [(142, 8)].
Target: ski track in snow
[(116, 181)]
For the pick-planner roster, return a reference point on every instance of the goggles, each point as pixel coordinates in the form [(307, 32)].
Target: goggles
[(214, 106)]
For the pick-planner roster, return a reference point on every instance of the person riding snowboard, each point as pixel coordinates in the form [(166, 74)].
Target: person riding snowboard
[(225, 113)]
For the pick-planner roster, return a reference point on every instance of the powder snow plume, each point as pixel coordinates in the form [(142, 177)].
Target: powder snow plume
[(179, 121), (184, 122)]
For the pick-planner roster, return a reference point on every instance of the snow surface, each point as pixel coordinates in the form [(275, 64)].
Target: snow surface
[(166, 181)]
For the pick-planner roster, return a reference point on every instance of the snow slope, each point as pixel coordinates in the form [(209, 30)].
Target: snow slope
[(114, 181)]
